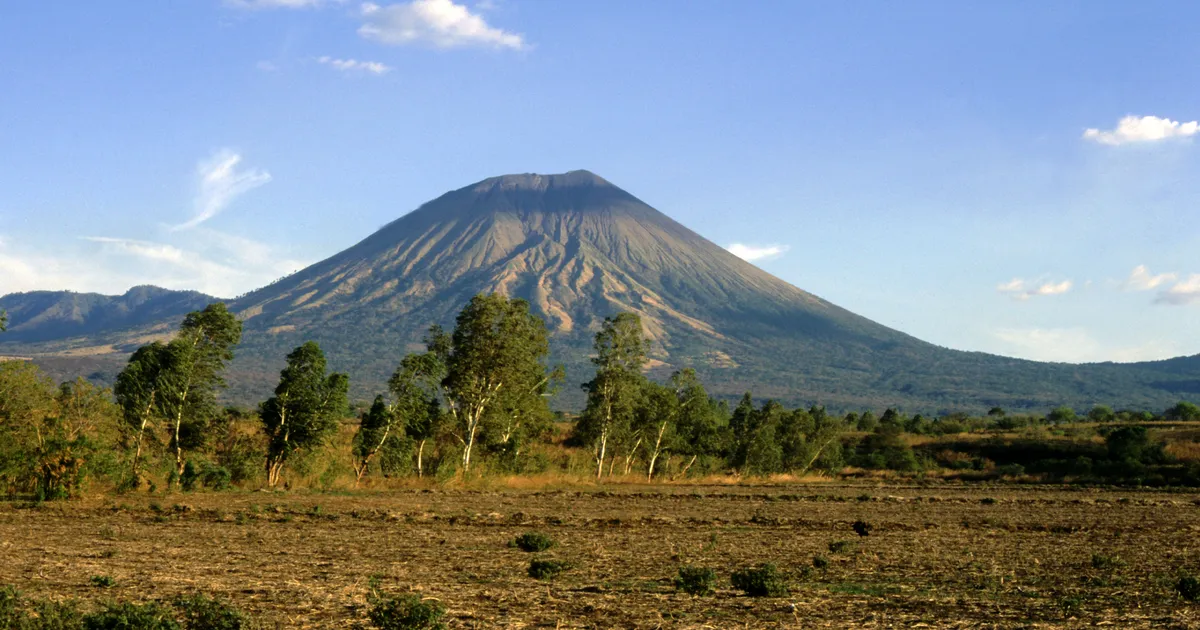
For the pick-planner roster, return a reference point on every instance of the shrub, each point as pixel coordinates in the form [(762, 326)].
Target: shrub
[(820, 562), (404, 612), (1188, 588), (102, 581), (128, 616), (201, 612), (532, 542), (1106, 563), (862, 528), (546, 569), (763, 581), (840, 546), (696, 581)]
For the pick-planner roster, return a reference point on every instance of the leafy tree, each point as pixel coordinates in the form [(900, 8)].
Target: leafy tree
[(655, 422), (764, 451), (741, 425), (494, 356), (1061, 415), (996, 412), (1101, 414), (3, 320), (68, 439), (137, 393), (187, 385), (867, 422), (375, 427), (1133, 444), (614, 392), (305, 409), (26, 399), (1183, 411), (698, 426)]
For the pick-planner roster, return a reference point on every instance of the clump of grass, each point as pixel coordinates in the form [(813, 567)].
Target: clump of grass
[(403, 612), (841, 546), (862, 528), (1106, 563), (696, 581), (201, 612), (1188, 587), (129, 616), (547, 569), (102, 581), (532, 542), (761, 581), (820, 562)]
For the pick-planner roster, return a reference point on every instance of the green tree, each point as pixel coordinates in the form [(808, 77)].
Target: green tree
[(188, 384), (26, 399), (741, 425), (137, 393), (1061, 415), (3, 320), (1184, 411), (1102, 414), (495, 355), (615, 391), (698, 426), (375, 427), (71, 438), (305, 409), (416, 387)]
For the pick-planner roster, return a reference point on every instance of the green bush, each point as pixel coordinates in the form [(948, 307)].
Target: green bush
[(129, 616), (532, 542), (697, 581), (102, 581), (546, 569), (1188, 588), (404, 612), (201, 612), (763, 581), (820, 562)]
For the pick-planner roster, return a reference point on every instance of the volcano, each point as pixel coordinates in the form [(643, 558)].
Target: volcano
[(578, 249)]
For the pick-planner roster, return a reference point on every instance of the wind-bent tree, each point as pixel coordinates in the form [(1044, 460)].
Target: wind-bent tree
[(375, 427), (188, 385), (497, 346), (673, 418), (614, 393), (305, 409), (137, 393)]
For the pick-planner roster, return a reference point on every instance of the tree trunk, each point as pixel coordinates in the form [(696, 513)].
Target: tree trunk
[(688, 467), (420, 451), (600, 453), (629, 457), (137, 453), (657, 451)]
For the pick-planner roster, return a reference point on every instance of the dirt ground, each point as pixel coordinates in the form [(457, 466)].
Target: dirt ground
[(936, 557)]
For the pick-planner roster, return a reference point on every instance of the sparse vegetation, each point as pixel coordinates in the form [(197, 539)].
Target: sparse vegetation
[(696, 581), (542, 569), (761, 581), (532, 542), (407, 611)]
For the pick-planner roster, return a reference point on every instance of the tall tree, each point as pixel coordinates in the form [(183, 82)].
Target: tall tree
[(305, 409), (3, 320), (137, 393), (614, 393), (497, 347), (188, 384), (417, 388), (375, 429)]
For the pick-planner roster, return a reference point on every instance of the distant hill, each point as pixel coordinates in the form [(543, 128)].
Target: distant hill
[(578, 249), (49, 315)]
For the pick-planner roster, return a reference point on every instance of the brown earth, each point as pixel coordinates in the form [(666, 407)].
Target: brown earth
[(945, 557)]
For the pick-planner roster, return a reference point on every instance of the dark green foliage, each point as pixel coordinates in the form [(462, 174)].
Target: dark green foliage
[(1188, 587), (547, 569), (615, 392), (201, 612), (532, 542), (1183, 411), (404, 612), (130, 616), (820, 562), (696, 581), (886, 449), (761, 581), (840, 546), (862, 528), (102, 581), (305, 409)]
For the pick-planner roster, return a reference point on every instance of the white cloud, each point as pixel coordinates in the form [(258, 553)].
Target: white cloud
[(1020, 289), (1142, 280), (1185, 291), (354, 65), (220, 183), (1132, 129), (752, 253), (1075, 345), (440, 23)]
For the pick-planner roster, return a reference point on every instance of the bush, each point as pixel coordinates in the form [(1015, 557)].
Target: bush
[(546, 569), (532, 542), (201, 612), (840, 546), (820, 562), (696, 581), (763, 581), (102, 581), (404, 612), (1106, 563), (128, 616), (1188, 588)]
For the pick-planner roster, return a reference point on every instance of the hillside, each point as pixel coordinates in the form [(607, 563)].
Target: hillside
[(578, 249)]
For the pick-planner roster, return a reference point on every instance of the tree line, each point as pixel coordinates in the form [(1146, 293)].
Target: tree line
[(479, 392)]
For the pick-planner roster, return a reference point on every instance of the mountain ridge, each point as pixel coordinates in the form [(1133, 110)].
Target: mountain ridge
[(579, 248)]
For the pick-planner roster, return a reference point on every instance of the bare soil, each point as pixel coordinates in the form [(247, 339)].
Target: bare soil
[(936, 557)]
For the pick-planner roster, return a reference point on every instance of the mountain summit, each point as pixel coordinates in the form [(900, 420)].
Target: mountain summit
[(579, 248)]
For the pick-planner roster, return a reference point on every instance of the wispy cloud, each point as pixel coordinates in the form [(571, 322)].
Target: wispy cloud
[(1020, 289), (221, 181), (1132, 129), (354, 65), (440, 23), (1140, 279), (1184, 292), (753, 253), (1074, 345)]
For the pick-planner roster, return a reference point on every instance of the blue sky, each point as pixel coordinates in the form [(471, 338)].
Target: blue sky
[(1008, 177)]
